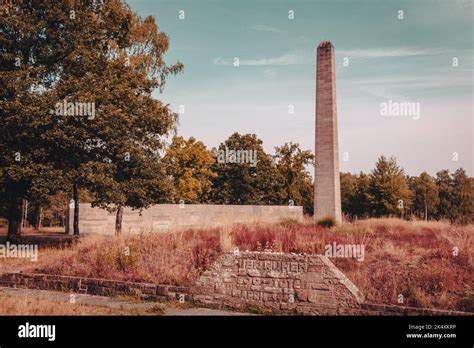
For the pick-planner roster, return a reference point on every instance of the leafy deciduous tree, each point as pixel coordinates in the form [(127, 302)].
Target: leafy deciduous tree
[(189, 165)]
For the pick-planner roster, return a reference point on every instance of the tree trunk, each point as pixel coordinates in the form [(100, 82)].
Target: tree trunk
[(66, 215), (38, 216), (14, 220), (426, 211), (75, 197), (24, 214), (118, 220)]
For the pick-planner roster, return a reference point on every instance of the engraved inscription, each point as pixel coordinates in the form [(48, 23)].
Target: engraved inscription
[(303, 284), (282, 266), (266, 280)]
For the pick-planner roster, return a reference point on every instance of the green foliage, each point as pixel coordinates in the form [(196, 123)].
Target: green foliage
[(388, 189), (461, 198), (455, 197), (444, 183), (348, 193), (425, 196), (28, 69), (222, 177), (104, 55), (444, 197), (362, 199), (297, 184), (116, 155), (189, 165), (245, 183)]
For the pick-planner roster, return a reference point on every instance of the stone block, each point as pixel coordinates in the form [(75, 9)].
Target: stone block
[(265, 280)]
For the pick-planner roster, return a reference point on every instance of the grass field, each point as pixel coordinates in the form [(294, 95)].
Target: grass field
[(37, 306), (429, 264)]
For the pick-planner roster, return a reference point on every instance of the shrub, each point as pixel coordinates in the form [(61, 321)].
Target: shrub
[(327, 221), (289, 222)]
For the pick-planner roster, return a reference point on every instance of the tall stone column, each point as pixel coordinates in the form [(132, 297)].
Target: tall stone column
[(327, 186)]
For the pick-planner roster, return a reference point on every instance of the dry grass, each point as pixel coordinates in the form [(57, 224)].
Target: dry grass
[(415, 259), (12, 305), (168, 258)]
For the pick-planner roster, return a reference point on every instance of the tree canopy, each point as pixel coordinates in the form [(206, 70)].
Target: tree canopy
[(79, 78)]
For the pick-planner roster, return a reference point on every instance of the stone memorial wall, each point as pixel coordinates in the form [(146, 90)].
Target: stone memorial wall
[(303, 284), (163, 217)]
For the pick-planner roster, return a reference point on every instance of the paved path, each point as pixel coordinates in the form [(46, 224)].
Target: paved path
[(111, 302)]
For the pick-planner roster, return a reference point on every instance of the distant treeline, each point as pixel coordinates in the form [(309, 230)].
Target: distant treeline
[(282, 178), (230, 175), (387, 191)]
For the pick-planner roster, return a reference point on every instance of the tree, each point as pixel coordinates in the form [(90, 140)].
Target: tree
[(348, 194), (137, 181), (425, 195), (28, 57), (189, 165), (462, 198), (246, 174), (355, 198), (38, 211), (71, 53), (54, 210), (297, 185), (388, 190), (362, 196), (445, 189), (112, 46)]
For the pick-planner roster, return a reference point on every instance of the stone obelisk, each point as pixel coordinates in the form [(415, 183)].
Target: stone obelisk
[(327, 186)]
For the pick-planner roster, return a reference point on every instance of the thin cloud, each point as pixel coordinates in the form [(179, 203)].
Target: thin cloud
[(269, 74), (418, 81), (266, 28), (386, 53), (286, 59), (400, 87)]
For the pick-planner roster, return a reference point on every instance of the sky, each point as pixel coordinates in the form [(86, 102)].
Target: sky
[(423, 55)]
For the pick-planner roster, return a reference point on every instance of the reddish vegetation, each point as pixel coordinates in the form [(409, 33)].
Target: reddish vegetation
[(415, 259), (167, 258)]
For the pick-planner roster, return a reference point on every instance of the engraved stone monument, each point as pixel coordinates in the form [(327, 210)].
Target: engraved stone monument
[(277, 282)]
